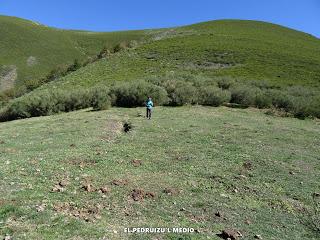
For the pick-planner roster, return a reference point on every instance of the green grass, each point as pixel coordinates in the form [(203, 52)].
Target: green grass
[(50, 47), (197, 152), (246, 50)]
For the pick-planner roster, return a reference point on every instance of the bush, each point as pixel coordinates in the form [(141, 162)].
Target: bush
[(134, 94), (225, 82), (100, 99), (263, 100), (213, 96), (244, 95)]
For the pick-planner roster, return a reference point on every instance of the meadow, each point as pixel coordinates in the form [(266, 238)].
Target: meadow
[(78, 175)]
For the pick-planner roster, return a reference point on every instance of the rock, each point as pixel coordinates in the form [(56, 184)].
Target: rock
[(292, 173), (257, 236)]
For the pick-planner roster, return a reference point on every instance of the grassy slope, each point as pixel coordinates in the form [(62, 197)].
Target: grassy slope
[(51, 47), (255, 50), (197, 152)]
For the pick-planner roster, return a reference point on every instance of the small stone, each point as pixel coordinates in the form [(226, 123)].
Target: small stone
[(257, 236)]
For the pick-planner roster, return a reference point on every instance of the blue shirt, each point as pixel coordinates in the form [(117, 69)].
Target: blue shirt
[(149, 104)]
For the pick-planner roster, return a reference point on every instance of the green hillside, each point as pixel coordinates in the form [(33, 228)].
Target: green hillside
[(79, 176), (247, 50), (30, 50)]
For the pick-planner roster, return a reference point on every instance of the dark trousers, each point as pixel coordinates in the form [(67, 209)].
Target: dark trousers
[(148, 113)]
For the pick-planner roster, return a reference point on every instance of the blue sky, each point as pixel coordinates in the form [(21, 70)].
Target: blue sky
[(106, 15)]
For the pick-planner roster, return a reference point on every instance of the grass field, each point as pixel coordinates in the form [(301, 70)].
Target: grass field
[(179, 169)]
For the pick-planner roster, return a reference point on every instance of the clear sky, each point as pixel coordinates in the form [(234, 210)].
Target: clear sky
[(111, 15)]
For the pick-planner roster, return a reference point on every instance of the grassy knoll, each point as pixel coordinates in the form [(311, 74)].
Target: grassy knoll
[(185, 165)]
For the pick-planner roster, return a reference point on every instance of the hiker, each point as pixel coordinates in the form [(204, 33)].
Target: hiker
[(149, 105)]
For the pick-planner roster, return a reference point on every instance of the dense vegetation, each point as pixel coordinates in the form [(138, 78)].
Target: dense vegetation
[(173, 90)]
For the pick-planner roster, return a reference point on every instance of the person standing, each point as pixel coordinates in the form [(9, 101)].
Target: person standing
[(149, 105)]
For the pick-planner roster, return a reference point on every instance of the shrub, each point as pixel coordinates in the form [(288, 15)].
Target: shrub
[(134, 94), (184, 94), (100, 99), (244, 95), (225, 82), (213, 96), (262, 100)]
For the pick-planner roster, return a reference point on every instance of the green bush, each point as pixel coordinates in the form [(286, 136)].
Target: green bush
[(135, 93), (225, 82), (263, 100), (213, 96), (244, 95), (100, 98)]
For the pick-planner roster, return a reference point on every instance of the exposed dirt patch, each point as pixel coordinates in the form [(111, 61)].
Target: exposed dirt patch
[(140, 194), (2, 142), (88, 187), (104, 189), (112, 130), (232, 234), (60, 186), (87, 213), (120, 182)]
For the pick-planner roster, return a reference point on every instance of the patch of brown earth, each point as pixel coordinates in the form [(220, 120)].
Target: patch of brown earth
[(120, 182), (140, 194), (88, 213)]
